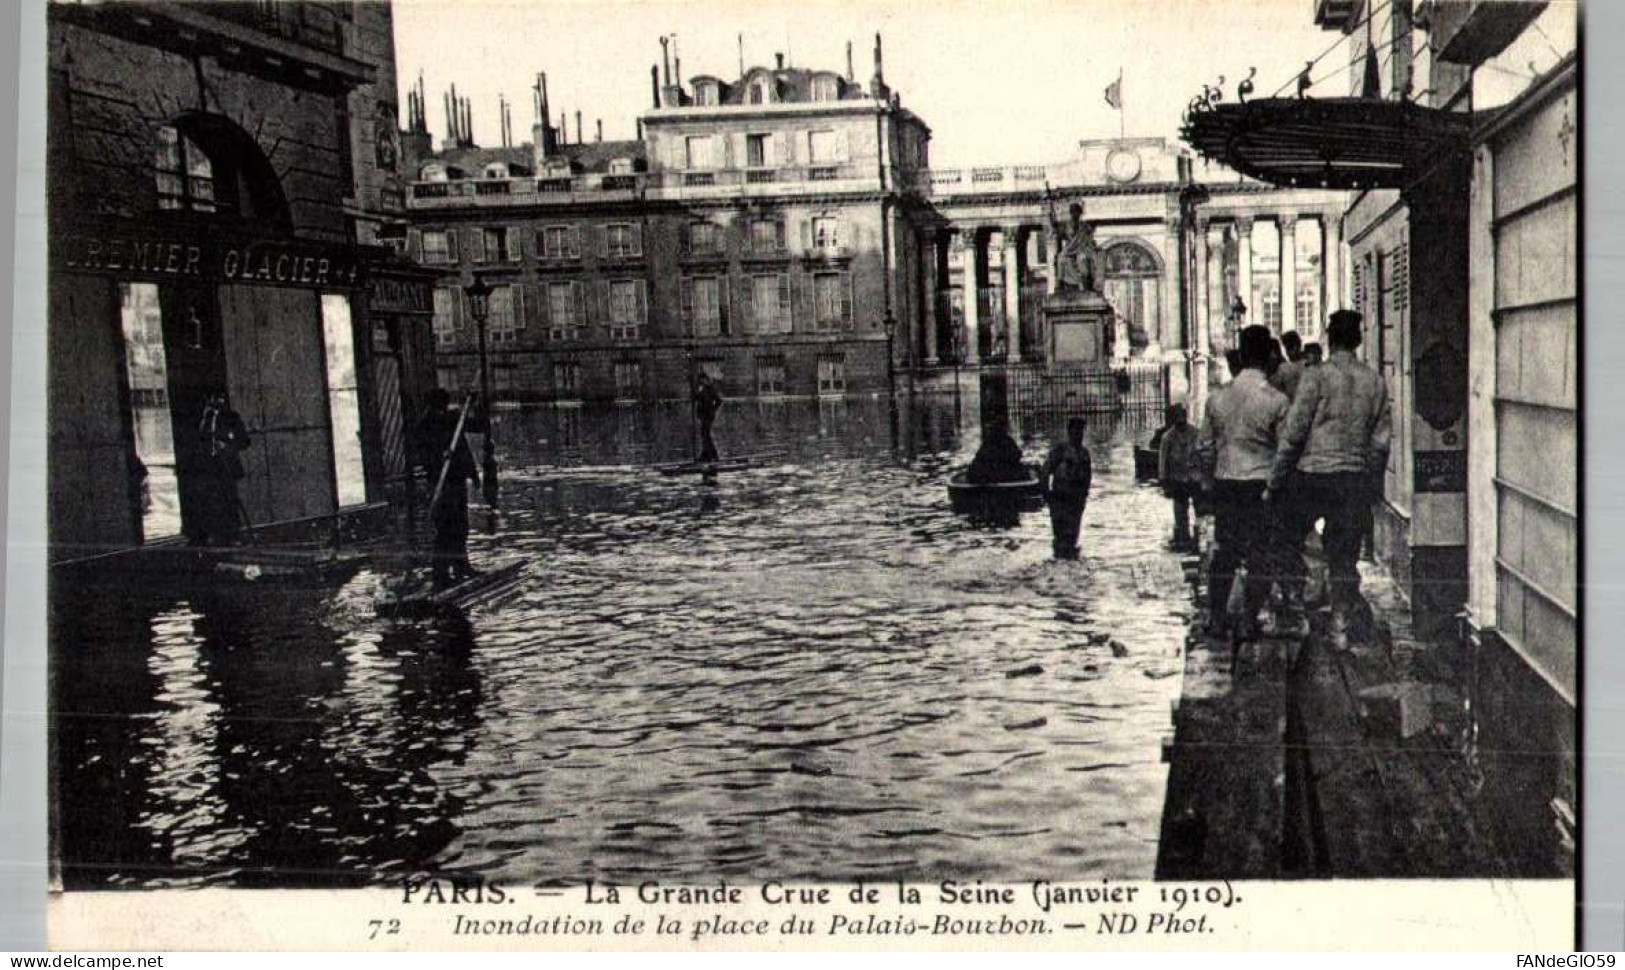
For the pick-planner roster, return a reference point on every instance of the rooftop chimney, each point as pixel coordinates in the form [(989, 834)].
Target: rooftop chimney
[(780, 59), (600, 129), (665, 58), (654, 82), (877, 87), (579, 139), (850, 75), (544, 140)]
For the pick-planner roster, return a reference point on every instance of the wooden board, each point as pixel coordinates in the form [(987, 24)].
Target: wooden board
[(735, 463), (483, 588)]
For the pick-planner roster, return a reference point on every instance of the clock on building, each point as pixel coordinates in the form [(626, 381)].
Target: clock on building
[(1122, 166)]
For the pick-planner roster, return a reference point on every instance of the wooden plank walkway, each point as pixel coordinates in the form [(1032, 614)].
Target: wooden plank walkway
[(1277, 772)]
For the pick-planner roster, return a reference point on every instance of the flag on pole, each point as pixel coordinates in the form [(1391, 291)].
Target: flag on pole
[(1114, 92)]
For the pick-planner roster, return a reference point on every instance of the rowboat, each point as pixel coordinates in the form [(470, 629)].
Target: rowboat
[(967, 498)]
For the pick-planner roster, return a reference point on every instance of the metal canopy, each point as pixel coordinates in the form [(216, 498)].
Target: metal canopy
[(1341, 143)]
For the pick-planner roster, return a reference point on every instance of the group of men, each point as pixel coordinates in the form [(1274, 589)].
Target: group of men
[(1289, 442)]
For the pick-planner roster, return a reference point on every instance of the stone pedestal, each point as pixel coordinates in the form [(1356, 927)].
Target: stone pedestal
[(1078, 324)]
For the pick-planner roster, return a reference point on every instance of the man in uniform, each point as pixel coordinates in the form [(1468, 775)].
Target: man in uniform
[(1286, 377), (1333, 446), (444, 443), (1068, 473), (1237, 447)]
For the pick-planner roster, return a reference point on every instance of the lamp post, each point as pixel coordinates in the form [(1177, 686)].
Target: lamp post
[(479, 304)]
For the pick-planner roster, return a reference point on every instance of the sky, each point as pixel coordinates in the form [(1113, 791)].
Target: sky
[(998, 81)]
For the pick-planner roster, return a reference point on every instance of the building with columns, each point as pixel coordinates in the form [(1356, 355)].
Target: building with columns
[(785, 231), (1181, 244)]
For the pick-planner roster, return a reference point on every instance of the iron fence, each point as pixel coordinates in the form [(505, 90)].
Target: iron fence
[(1136, 386)]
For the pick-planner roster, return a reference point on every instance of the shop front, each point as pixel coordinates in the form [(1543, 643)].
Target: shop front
[(150, 321)]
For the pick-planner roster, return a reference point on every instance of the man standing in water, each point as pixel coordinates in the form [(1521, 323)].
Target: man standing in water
[(443, 441), (1068, 473), (707, 402), (224, 437)]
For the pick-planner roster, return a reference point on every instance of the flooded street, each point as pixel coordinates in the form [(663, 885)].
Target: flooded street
[(811, 669)]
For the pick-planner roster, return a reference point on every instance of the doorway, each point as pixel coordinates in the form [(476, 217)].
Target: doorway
[(146, 371)]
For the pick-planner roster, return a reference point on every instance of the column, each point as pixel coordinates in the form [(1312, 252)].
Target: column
[(969, 284), (1012, 292), (1171, 301), (930, 260), (1244, 266), (1201, 337), (1288, 224), (1331, 248)]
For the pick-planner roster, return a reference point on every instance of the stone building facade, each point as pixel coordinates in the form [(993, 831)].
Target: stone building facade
[(757, 231), (215, 177)]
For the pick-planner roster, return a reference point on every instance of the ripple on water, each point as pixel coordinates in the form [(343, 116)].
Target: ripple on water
[(803, 671)]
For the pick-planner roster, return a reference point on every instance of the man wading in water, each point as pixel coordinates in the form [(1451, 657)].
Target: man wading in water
[(1067, 475), (707, 402)]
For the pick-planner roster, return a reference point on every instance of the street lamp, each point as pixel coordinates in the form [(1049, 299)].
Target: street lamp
[(479, 305)]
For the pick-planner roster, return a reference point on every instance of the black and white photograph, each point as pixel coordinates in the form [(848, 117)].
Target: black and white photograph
[(556, 448)]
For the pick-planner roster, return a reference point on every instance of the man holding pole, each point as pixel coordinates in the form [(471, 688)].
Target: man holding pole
[(447, 456)]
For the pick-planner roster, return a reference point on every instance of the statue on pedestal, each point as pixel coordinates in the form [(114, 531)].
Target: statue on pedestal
[(1077, 257)]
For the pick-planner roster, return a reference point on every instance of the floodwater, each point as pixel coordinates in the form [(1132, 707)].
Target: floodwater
[(809, 669)]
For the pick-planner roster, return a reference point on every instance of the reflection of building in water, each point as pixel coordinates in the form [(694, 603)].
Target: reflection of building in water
[(219, 177), (763, 228)]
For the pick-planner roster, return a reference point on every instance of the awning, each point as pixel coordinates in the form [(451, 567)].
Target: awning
[(1340, 143)]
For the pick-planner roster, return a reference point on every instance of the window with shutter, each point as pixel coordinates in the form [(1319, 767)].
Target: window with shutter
[(764, 297), (625, 306), (445, 316), (436, 247), (784, 302), (828, 301), (563, 322), (512, 243), (477, 241)]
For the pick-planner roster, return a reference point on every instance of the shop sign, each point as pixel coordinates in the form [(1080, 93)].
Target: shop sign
[(207, 260), (1440, 471), (393, 294)]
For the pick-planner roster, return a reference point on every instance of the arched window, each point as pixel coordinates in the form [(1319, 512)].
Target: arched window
[(1133, 288), (496, 170), (760, 91), (185, 175), (206, 164)]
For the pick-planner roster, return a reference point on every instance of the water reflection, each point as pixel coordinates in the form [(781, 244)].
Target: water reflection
[(808, 668)]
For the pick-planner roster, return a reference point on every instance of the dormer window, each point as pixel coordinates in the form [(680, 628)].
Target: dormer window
[(620, 166), (706, 93), (826, 89), (432, 172), (761, 91), (496, 170)]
